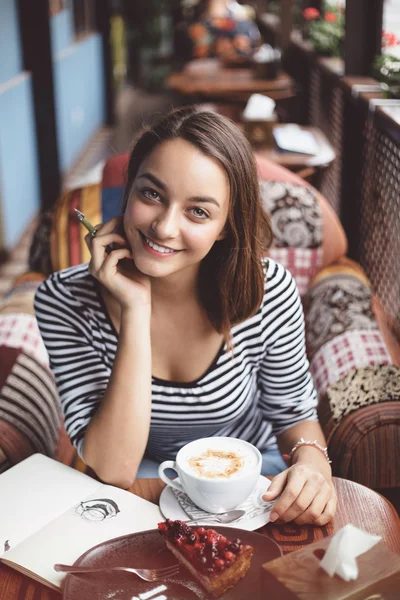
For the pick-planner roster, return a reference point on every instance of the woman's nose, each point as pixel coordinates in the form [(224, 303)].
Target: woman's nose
[(166, 225)]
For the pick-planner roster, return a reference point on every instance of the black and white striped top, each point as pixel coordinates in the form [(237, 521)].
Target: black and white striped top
[(260, 391)]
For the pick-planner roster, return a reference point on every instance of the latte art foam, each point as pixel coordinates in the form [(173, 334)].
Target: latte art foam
[(218, 463)]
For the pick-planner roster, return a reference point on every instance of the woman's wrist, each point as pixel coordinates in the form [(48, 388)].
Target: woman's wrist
[(311, 454), (136, 316)]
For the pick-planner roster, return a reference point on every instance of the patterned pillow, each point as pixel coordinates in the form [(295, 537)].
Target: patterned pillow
[(98, 202), (30, 415), (342, 333), (297, 226), (28, 399)]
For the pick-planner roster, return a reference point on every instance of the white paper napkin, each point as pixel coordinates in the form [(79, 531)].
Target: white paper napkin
[(259, 108), (347, 543)]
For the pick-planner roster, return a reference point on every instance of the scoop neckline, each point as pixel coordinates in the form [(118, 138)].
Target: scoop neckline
[(155, 379)]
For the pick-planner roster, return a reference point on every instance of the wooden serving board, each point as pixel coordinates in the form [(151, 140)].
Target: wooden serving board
[(298, 576)]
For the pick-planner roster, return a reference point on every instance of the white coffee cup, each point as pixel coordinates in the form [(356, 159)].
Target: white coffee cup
[(217, 473)]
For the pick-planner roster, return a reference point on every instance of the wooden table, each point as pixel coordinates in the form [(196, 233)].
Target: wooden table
[(357, 504), (305, 165), (296, 160), (208, 78)]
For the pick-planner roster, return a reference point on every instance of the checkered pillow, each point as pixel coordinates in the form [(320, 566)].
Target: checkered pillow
[(342, 333), (303, 263), (297, 227)]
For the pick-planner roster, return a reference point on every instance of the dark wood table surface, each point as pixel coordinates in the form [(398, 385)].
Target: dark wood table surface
[(324, 156), (357, 504), (209, 78)]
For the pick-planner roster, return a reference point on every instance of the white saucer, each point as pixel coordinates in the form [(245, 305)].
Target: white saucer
[(171, 509)]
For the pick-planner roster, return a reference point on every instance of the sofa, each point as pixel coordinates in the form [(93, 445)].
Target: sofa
[(352, 346)]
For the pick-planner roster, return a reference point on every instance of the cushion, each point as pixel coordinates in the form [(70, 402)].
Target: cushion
[(297, 226), (342, 333), (28, 403), (30, 415), (362, 446), (357, 384), (98, 202)]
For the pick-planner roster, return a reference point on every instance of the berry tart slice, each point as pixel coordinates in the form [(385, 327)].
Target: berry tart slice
[(217, 563)]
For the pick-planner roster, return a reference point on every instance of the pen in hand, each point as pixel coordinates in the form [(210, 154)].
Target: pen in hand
[(85, 222), (91, 228)]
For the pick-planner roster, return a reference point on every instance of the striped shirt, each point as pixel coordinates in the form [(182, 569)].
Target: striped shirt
[(256, 393)]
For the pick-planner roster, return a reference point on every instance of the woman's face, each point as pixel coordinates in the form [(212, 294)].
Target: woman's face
[(177, 209)]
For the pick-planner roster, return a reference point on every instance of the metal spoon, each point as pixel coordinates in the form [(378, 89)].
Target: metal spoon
[(226, 517)]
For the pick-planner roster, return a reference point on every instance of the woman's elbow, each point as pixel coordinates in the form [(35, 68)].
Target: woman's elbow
[(120, 474)]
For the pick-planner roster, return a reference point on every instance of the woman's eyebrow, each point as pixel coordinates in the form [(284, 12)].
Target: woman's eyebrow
[(155, 180), (204, 199)]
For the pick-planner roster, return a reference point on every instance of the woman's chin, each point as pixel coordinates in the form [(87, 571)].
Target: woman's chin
[(150, 267)]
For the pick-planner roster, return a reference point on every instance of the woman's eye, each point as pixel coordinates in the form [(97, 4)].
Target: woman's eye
[(199, 213), (150, 194)]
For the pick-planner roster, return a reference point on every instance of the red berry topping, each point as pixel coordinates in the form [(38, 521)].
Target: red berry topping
[(229, 556), (219, 563)]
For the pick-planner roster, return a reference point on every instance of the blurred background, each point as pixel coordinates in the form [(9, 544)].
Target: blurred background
[(78, 78)]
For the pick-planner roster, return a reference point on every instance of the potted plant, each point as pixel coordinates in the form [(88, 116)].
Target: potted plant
[(387, 66), (325, 32)]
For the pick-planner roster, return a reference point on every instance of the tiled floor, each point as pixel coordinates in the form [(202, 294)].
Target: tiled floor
[(133, 108)]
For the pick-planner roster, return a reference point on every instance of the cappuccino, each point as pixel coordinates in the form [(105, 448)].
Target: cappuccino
[(221, 459), (217, 473)]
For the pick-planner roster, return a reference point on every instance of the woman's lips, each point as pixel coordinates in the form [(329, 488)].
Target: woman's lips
[(159, 253)]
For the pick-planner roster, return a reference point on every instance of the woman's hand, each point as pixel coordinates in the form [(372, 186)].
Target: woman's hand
[(123, 280), (307, 494)]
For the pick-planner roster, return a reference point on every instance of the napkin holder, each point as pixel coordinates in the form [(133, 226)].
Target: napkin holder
[(298, 576), (260, 132)]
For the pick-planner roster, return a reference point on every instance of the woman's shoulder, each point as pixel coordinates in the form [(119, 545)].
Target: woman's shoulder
[(279, 282), (67, 285), (275, 271)]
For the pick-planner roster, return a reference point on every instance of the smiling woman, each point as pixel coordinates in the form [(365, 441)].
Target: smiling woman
[(184, 330)]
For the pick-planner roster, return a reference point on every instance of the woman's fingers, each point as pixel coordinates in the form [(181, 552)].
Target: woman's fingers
[(115, 256), (99, 245), (328, 512), (105, 240), (291, 491), (276, 487), (303, 502), (102, 229), (315, 508)]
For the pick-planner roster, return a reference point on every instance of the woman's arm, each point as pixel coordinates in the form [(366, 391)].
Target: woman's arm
[(289, 401), (116, 437), (307, 491), (106, 410)]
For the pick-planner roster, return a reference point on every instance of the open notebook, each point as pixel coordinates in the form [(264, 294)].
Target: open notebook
[(50, 513)]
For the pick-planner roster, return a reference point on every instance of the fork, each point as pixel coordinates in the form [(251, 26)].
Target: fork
[(146, 574)]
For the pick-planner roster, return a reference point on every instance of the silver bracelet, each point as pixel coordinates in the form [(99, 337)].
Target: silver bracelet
[(303, 442)]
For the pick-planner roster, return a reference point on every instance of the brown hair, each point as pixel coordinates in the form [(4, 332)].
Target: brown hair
[(231, 276)]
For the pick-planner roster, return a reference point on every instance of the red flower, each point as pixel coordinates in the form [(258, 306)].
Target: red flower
[(310, 13), (389, 39), (331, 17)]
